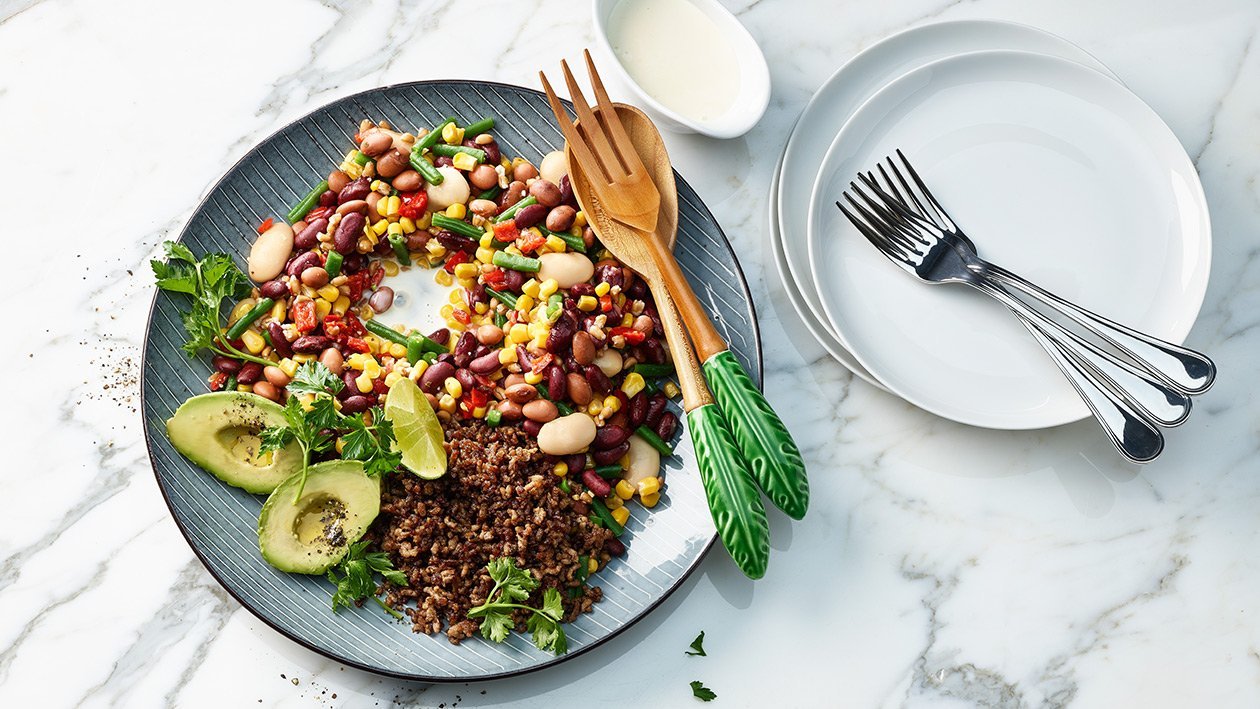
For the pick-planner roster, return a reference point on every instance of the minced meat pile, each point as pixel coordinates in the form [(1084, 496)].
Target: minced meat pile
[(499, 498)]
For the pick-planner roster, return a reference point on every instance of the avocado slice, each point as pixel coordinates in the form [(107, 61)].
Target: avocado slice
[(310, 535), (219, 431)]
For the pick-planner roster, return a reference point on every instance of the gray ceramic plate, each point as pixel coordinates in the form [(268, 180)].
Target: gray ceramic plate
[(665, 544)]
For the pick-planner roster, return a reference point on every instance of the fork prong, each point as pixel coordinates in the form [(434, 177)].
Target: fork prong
[(576, 142), (877, 238), (621, 143), (889, 212), (941, 214), (896, 205), (902, 191), (591, 128), (890, 228)]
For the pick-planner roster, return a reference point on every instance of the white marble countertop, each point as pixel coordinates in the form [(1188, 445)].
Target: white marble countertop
[(939, 565)]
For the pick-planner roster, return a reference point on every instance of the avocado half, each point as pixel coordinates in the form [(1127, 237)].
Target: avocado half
[(219, 432), (311, 534)]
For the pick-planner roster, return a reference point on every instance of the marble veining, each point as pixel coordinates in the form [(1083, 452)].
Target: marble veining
[(939, 566)]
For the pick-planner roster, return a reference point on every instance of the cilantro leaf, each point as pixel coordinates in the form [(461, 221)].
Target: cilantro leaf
[(315, 378), (697, 646), (701, 692), (513, 584), (353, 577)]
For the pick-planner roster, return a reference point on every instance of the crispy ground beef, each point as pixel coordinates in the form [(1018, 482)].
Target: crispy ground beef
[(498, 498)]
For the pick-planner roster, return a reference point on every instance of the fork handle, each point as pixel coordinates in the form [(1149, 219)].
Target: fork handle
[(1190, 371), (1132, 433)]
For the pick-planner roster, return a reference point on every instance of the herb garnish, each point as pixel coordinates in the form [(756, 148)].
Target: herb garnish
[(511, 585), (355, 582), (697, 646), (208, 281), (315, 428), (701, 692)]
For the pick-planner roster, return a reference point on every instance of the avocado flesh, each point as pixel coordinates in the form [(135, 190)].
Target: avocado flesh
[(219, 432), (311, 534)]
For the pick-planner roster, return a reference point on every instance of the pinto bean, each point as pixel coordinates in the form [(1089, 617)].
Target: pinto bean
[(354, 205), (337, 180), (540, 410), (524, 172), (513, 194), (267, 390), (484, 207), (521, 393), (392, 164), (553, 166), (483, 177), (561, 218), (579, 389), (510, 410), (315, 277), (546, 192), (376, 142), (583, 347), (407, 181), (276, 376), (333, 360), (489, 334)]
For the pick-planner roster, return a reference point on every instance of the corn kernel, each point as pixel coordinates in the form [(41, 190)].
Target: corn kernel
[(391, 268), (303, 358), (555, 243), (253, 341), (633, 384), (397, 351), (417, 369), (408, 225), (380, 227), (507, 355), (453, 387), (547, 287), (485, 255), (463, 161), (530, 288), (587, 303), (378, 186), (627, 320), (456, 211), (519, 333), (278, 311), (329, 293), (613, 502), (394, 229), (649, 501), (447, 403), (481, 308), (594, 408), (340, 307), (592, 565), (392, 377), (602, 289), (466, 270), (435, 249), (649, 486), (468, 283), (446, 311), (670, 390), (561, 469), (452, 134), (525, 303), (533, 377), (442, 278), (579, 219), (288, 366), (239, 310), (479, 412), (340, 445), (624, 490), (455, 325), (392, 205), (356, 361), (622, 515), (611, 405), (363, 383)]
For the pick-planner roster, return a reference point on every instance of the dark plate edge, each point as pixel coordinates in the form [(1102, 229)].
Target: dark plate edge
[(144, 417)]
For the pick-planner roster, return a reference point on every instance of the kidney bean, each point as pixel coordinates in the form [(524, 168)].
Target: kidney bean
[(274, 289), (665, 427), (521, 392), (588, 237), (392, 163), (653, 353), (349, 229), (249, 373), (485, 364), (467, 341), (557, 383), (510, 410), (563, 330), (575, 461), (328, 199), (318, 213), (609, 436), (655, 409), (279, 342), (532, 427), (577, 290), (227, 365), (446, 357), (513, 194), (610, 272), (638, 409), (350, 388), (513, 280), (530, 216), (382, 299), (466, 379), (596, 484), (435, 375), (455, 242), (310, 344), (637, 290), (301, 262), (597, 379), (337, 180), (443, 161), (610, 455), (357, 189), (440, 336), (581, 508), (355, 404), (546, 192), (309, 237), (491, 149), (579, 389), (561, 218), (540, 410), (354, 263), (333, 360), (524, 172), (566, 191), (614, 546), (583, 347)]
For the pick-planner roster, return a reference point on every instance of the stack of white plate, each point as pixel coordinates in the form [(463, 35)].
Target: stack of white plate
[(1055, 170)]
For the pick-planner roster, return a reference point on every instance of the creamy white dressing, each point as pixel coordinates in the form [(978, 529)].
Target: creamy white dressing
[(677, 54)]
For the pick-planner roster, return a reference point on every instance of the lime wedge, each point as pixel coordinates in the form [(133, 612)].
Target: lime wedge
[(416, 427)]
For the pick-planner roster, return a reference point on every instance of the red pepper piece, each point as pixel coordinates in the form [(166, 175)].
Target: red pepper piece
[(454, 260), (533, 244), (605, 302), (461, 316), (217, 380), (494, 278), (356, 284), (413, 204), (318, 213), (267, 224), (303, 312), (357, 345), (506, 232), (353, 327), (631, 335)]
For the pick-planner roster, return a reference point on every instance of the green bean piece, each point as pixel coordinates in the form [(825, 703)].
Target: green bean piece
[(459, 226), (361, 158), (563, 408), (430, 138), (601, 511), (511, 211), (384, 331), (240, 326), (451, 151), (493, 418), (584, 569), (477, 128), (415, 349), (554, 304), (430, 346), (609, 472), (430, 356), (564, 485), (499, 318), (503, 259), (653, 371), (399, 243), (231, 383), (574, 243), (490, 193), (426, 169), (333, 264), (654, 440), (506, 298), (308, 202)]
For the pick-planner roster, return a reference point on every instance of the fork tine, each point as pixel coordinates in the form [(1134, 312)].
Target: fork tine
[(878, 239), (927, 194), (591, 128), (904, 193), (612, 122), (890, 229), (895, 205), (888, 213), (571, 136)]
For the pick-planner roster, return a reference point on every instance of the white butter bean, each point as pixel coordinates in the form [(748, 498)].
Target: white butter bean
[(645, 461), (270, 252), (567, 268), (609, 362), (553, 166), (453, 190), (567, 434)]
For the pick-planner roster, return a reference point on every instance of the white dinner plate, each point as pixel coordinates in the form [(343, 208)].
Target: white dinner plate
[(1056, 172), (829, 109)]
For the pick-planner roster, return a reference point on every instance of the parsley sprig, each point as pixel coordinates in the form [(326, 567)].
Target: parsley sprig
[(316, 428), (701, 692), (353, 577), (208, 281), (512, 585)]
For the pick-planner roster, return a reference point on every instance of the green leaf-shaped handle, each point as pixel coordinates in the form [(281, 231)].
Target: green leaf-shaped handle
[(734, 501), (771, 453)]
